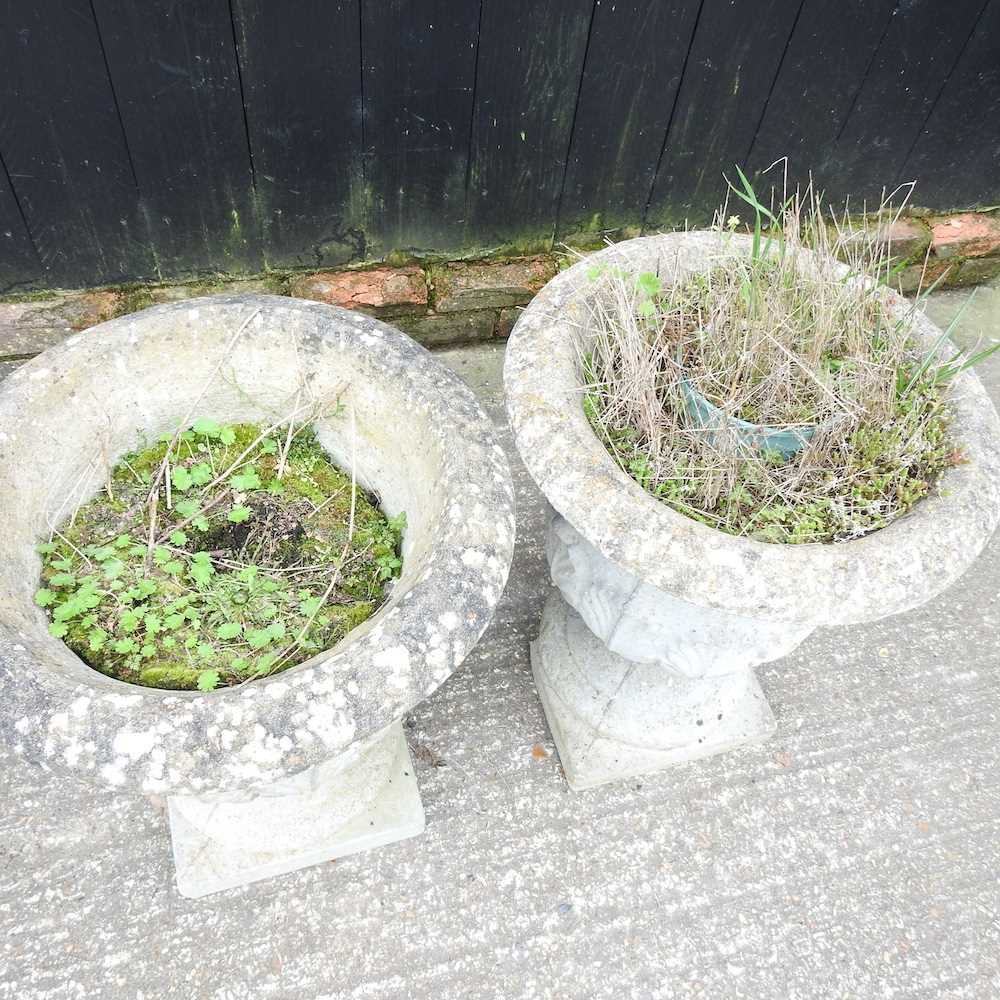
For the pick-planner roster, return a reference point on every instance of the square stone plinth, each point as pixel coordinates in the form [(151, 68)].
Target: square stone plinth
[(211, 859)]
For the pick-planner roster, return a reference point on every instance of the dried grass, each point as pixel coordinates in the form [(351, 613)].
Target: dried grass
[(781, 338)]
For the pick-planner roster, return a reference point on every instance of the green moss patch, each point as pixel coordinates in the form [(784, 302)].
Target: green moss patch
[(252, 554)]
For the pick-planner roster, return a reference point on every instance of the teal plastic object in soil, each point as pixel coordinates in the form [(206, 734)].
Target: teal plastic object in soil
[(786, 441)]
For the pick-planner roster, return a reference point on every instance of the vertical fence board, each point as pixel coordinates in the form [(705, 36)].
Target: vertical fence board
[(62, 142), (956, 159), (173, 67), (20, 267), (301, 72), (530, 62), (419, 59), (735, 54), (820, 78), (633, 71), (225, 134), (918, 52)]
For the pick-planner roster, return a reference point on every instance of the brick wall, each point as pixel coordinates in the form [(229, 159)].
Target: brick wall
[(461, 301)]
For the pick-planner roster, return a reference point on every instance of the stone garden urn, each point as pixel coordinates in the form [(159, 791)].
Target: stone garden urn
[(309, 764), (650, 636)]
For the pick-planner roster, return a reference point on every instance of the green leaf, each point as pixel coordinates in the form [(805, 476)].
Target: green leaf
[(58, 629), (266, 662), (162, 555), (147, 587), (178, 538), (147, 650), (44, 548), (173, 621), (181, 479), (89, 599), (200, 523), (44, 597), (152, 623), (62, 580), (239, 514), (186, 507), (208, 680), (227, 436), (201, 572), (201, 474), (68, 609), (245, 481), (206, 650), (649, 284), (174, 567), (311, 606), (268, 446), (125, 646), (259, 638), (229, 630), (96, 639), (112, 568), (129, 621), (168, 642), (206, 427), (122, 541), (66, 565)]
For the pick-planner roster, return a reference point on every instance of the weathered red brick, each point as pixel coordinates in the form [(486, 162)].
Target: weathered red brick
[(976, 271), (26, 328), (972, 234), (917, 278), (505, 324), (95, 307), (907, 239), (433, 329), (179, 293), (380, 291), (489, 285)]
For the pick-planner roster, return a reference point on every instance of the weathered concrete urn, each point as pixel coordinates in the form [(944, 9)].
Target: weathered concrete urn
[(649, 638), (311, 763)]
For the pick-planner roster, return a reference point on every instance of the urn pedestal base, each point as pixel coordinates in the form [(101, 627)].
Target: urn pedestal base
[(354, 803), (613, 718)]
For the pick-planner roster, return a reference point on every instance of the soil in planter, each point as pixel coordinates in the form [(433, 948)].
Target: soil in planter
[(253, 565)]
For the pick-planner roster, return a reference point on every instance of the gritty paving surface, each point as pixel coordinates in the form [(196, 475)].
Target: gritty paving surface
[(854, 856)]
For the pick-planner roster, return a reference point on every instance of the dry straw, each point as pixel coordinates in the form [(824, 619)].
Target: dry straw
[(781, 337)]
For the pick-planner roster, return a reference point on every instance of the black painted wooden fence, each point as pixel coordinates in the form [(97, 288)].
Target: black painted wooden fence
[(163, 138)]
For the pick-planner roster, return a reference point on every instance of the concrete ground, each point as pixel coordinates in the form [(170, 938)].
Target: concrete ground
[(856, 855)]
